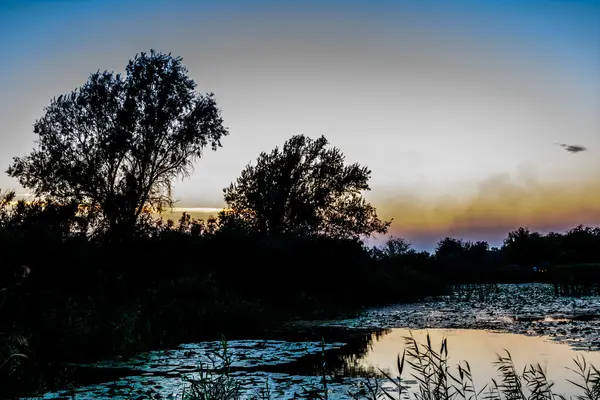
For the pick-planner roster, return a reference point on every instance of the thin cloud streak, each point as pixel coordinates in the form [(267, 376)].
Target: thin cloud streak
[(572, 148)]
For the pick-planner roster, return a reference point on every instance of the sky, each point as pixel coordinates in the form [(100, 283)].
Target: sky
[(456, 106)]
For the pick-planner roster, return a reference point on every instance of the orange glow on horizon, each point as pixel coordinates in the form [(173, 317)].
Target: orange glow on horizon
[(499, 206)]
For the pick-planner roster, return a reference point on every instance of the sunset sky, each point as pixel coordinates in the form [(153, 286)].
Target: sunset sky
[(456, 106)]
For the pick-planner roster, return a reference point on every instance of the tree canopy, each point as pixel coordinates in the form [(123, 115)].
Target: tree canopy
[(303, 188), (117, 143)]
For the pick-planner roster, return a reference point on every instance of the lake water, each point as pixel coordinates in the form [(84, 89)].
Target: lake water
[(480, 349), (527, 320)]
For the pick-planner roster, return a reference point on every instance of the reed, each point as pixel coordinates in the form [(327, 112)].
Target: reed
[(430, 369)]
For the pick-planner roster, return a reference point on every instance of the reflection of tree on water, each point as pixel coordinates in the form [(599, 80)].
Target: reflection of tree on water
[(347, 361), (343, 362)]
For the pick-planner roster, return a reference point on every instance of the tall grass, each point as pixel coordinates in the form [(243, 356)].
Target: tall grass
[(436, 382), (209, 385), (435, 379)]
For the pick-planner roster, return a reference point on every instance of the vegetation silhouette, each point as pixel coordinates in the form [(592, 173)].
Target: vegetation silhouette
[(306, 189), (107, 276), (117, 143)]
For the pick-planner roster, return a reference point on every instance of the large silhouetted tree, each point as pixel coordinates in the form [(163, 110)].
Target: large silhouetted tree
[(304, 188), (117, 143)]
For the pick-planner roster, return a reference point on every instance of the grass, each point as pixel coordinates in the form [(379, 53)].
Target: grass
[(431, 371), (435, 379), (436, 382), (214, 386)]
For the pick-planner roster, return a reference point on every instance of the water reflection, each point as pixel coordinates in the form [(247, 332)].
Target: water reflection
[(480, 349), (294, 366), (346, 361)]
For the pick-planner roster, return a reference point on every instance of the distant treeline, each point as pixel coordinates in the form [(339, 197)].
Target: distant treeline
[(525, 256)]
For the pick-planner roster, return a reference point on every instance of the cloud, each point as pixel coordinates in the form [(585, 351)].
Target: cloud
[(572, 148), (500, 203)]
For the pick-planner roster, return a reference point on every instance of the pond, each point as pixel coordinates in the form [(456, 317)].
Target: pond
[(529, 321)]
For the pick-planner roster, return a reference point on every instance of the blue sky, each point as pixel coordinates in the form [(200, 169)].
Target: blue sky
[(455, 105)]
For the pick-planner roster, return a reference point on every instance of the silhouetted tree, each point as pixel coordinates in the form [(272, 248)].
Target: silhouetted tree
[(19, 217), (397, 253), (304, 188), (117, 143), (582, 244), (450, 251), (394, 247), (524, 247), (554, 248), (7, 199), (476, 253)]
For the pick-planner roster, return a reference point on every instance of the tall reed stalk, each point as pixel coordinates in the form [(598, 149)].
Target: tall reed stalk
[(436, 382)]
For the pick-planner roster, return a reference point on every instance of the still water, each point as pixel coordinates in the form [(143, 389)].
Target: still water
[(480, 349), (293, 368), (528, 320)]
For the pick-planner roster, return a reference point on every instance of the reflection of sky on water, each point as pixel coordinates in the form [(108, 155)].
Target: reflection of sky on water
[(161, 372), (479, 348)]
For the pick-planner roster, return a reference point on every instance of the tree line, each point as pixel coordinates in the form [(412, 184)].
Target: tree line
[(523, 256)]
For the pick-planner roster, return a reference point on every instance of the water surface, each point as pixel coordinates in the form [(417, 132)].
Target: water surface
[(528, 320), (480, 349)]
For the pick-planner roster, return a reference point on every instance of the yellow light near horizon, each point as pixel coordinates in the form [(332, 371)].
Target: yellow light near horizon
[(205, 210), (499, 207), (197, 209)]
